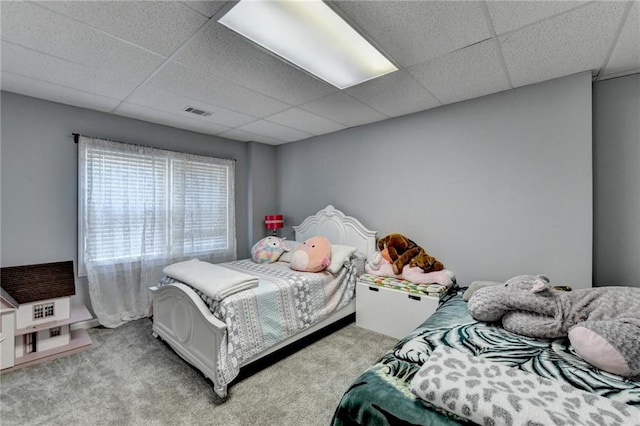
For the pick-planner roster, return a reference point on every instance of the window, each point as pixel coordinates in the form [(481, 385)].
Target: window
[(48, 310), (144, 203), (55, 331), (43, 310)]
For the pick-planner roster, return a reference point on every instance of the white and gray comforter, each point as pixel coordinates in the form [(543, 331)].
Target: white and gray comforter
[(284, 303), (487, 392)]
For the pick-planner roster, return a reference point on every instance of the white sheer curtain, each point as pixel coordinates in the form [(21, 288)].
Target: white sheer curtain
[(142, 208)]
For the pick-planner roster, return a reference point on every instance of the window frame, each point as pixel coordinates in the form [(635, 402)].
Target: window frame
[(230, 192), (43, 310)]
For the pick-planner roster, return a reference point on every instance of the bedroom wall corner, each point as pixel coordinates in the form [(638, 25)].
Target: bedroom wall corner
[(616, 151), (262, 191)]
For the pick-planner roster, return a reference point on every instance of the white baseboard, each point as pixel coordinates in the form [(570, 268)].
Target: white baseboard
[(83, 325)]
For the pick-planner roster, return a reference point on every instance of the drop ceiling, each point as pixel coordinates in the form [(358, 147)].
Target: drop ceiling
[(149, 60)]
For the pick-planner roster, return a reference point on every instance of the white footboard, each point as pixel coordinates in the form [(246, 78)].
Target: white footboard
[(184, 321)]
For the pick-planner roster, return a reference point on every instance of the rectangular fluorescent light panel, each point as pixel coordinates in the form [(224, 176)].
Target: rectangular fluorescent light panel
[(310, 35)]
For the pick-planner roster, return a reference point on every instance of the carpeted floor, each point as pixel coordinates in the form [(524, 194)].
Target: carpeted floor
[(130, 378)]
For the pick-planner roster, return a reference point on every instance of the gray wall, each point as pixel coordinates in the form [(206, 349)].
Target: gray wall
[(616, 147), (39, 175), (263, 188), (493, 187)]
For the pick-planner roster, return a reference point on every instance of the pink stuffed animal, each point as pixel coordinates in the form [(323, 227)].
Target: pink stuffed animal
[(314, 255), (381, 267)]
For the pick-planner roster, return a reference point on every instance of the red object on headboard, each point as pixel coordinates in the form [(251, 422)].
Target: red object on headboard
[(273, 222)]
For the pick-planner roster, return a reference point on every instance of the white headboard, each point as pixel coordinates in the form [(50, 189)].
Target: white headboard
[(339, 229)]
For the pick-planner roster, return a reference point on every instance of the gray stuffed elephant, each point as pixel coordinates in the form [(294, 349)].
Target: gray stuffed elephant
[(602, 324)]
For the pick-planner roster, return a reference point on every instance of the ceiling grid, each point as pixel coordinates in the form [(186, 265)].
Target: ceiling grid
[(150, 60)]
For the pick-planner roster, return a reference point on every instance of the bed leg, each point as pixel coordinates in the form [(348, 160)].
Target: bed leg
[(221, 391)]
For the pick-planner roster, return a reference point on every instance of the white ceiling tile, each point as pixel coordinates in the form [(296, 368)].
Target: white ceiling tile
[(175, 103), (173, 120), (61, 72), (161, 26), (570, 43), (394, 94), (276, 131), (464, 74), (207, 8), (307, 122), (412, 32), (626, 54), (220, 51), (344, 109), (510, 15), (94, 54), (55, 93), (215, 90), (39, 29), (245, 136)]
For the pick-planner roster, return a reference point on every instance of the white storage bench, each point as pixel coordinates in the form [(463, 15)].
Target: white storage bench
[(394, 312)]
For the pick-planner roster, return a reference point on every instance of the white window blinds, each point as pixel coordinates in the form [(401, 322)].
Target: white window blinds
[(145, 203), (200, 218)]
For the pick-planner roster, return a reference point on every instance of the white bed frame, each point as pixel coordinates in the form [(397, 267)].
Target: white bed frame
[(184, 321)]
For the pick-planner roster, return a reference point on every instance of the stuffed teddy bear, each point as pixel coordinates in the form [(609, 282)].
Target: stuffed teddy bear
[(313, 255), (602, 324), (402, 251), (268, 250), (380, 266)]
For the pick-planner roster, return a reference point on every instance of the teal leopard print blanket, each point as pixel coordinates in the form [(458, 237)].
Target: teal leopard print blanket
[(382, 394)]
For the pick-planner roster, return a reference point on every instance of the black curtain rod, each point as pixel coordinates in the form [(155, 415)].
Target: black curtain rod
[(76, 138)]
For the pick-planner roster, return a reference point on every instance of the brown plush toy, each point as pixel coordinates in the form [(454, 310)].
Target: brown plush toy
[(426, 262), (403, 251), (396, 245)]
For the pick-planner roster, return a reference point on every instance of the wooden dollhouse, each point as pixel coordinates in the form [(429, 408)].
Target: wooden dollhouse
[(36, 315)]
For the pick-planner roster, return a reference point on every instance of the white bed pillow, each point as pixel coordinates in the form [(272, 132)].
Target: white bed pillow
[(339, 255), (286, 256)]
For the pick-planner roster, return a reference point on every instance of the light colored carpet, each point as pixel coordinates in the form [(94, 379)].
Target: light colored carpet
[(130, 378)]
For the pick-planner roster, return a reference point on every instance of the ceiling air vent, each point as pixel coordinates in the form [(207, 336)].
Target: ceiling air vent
[(197, 111)]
